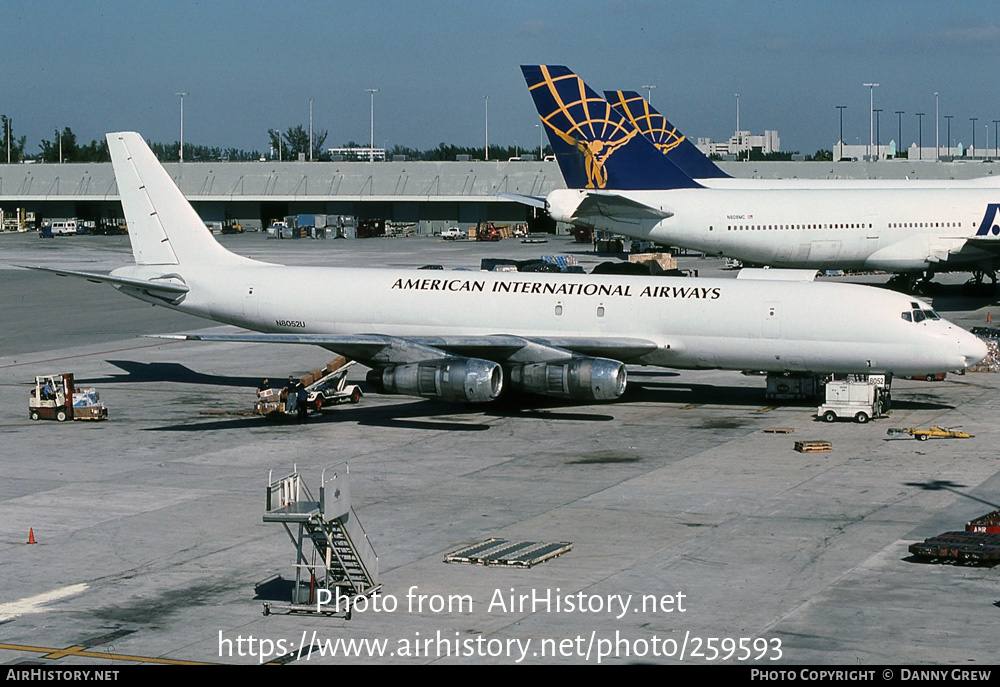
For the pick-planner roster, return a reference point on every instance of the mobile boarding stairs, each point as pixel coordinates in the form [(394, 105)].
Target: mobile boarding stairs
[(342, 561)]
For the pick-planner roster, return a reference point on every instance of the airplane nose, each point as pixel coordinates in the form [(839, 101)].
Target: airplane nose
[(972, 348)]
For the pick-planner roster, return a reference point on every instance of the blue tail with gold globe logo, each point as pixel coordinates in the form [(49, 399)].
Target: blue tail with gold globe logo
[(595, 146), (664, 135)]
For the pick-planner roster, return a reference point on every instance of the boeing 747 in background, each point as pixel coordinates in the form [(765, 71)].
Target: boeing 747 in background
[(669, 140), (465, 336), (618, 181)]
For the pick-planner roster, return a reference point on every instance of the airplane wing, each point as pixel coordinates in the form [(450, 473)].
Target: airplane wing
[(617, 207), (379, 349), (990, 246), (170, 290)]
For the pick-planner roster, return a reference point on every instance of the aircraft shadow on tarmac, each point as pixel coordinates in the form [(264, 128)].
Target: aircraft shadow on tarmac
[(137, 373), (666, 392), (418, 414), (948, 485)]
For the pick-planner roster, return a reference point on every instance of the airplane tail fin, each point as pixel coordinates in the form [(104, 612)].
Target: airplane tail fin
[(594, 144), (163, 227), (664, 135)]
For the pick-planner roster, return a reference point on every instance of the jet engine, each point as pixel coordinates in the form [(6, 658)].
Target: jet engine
[(451, 379), (590, 379)]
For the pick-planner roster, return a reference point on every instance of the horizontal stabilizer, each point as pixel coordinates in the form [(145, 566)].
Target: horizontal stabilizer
[(616, 207), (533, 201), (165, 288)]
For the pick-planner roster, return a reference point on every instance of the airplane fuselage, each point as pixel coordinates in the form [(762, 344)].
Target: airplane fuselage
[(898, 230), (695, 323)]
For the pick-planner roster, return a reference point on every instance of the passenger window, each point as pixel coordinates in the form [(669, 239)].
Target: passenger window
[(906, 316)]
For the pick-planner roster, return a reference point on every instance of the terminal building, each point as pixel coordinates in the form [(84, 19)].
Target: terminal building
[(430, 196)]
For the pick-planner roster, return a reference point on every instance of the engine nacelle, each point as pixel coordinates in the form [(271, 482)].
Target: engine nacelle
[(451, 379), (591, 379)]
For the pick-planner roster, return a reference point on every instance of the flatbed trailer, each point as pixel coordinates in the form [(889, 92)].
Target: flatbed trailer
[(967, 547)]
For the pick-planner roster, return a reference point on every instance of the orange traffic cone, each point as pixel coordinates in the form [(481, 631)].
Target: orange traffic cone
[(31, 535), (988, 319)]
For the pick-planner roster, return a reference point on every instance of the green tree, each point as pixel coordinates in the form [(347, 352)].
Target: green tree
[(11, 148), (821, 155), (64, 142), (295, 140), (95, 151)]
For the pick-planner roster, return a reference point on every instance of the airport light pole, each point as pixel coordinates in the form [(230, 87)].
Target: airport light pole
[(371, 139), (871, 116), (973, 120), (841, 108), (996, 139), (937, 133), (878, 135), (920, 137), (182, 126), (649, 92), (487, 149), (310, 129), (738, 115), (539, 125), (948, 117), (899, 132)]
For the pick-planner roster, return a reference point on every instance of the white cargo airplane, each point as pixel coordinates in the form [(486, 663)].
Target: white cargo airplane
[(618, 181), (463, 336)]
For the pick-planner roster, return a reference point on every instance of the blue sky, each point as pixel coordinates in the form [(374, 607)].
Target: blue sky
[(105, 65)]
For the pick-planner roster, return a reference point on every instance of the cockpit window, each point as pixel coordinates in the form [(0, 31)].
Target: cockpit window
[(906, 316), (915, 305), (931, 315), (918, 316)]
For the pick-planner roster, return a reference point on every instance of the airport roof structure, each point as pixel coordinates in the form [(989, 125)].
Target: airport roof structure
[(293, 181), (398, 181)]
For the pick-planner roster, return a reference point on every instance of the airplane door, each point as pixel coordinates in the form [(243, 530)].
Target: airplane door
[(872, 228), (771, 322)]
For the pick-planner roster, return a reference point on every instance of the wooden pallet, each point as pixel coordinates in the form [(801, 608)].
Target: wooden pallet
[(777, 430), (813, 446)]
